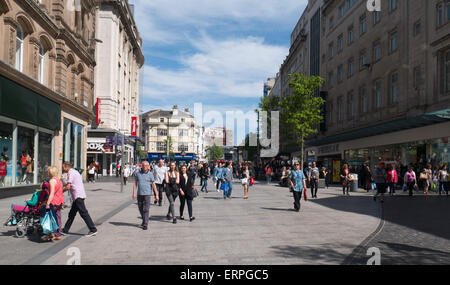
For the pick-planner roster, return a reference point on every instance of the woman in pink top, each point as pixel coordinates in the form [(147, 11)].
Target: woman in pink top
[(392, 178), (55, 199)]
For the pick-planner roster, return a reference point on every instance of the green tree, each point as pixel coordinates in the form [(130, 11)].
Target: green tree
[(301, 111), (214, 152), (169, 138)]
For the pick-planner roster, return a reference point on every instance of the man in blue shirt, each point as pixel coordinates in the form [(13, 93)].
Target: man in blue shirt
[(144, 181), (218, 175), (297, 181)]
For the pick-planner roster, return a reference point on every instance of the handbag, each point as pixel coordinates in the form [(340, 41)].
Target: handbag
[(374, 186), (224, 186), (252, 181), (423, 176), (305, 195), (194, 193), (48, 223)]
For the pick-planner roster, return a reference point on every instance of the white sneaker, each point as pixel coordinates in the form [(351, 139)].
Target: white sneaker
[(90, 234)]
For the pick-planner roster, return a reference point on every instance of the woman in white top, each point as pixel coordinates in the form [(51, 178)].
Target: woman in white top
[(443, 177), (91, 173), (126, 173), (245, 180)]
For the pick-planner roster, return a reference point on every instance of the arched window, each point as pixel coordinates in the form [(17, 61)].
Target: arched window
[(19, 48), (41, 74)]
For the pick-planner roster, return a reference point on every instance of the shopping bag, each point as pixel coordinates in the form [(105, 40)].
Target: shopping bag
[(48, 223), (252, 181), (224, 186), (374, 186), (305, 196)]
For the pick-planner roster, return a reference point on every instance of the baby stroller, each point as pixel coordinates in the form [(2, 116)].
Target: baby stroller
[(26, 217)]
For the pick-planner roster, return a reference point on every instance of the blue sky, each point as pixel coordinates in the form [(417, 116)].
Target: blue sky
[(218, 53)]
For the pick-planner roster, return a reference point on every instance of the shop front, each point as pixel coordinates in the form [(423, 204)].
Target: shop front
[(28, 125)]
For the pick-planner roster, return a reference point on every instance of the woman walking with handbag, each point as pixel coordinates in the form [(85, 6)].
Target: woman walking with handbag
[(172, 181), (187, 193), (55, 200), (245, 180)]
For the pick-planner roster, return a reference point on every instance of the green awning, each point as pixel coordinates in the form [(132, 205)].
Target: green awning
[(384, 128), (25, 105)]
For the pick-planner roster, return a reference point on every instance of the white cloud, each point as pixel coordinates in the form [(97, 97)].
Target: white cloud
[(232, 68)]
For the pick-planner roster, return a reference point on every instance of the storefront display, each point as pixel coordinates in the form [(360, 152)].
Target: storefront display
[(6, 145)]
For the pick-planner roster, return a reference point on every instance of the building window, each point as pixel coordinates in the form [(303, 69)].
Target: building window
[(363, 100), (417, 28), (73, 134), (330, 113), (331, 21), (339, 109), (377, 94), (183, 133), (351, 68), (362, 60), (393, 4), (394, 87), (162, 132), (376, 17), (19, 48), (448, 11), (183, 147), (340, 72), (161, 120), (440, 15), (41, 64), (447, 72), (340, 43), (330, 51), (417, 77), (393, 42), (351, 106), (183, 120), (6, 162), (351, 35), (161, 146), (376, 51), (330, 79), (362, 25)]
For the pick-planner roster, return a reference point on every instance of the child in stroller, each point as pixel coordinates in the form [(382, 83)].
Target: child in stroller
[(26, 215)]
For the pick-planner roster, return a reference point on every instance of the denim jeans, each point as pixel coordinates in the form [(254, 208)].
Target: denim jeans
[(205, 184), (227, 194), (268, 178)]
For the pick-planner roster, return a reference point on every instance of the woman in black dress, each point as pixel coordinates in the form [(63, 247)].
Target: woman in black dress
[(172, 181), (186, 192)]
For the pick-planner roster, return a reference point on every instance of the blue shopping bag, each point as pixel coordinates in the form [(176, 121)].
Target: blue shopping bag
[(224, 186), (48, 223)]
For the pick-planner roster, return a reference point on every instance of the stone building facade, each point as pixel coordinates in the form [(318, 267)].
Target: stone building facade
[(47, 66), (119, 58), (387, 78)]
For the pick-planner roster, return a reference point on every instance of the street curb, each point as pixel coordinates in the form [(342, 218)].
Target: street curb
[(359, 250)]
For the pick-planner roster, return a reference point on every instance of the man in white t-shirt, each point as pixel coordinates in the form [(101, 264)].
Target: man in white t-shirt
[(160, 174)]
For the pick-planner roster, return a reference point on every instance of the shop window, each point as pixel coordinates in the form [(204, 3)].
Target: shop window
[(73, 137), (6, 146), (25, 156), (45, 155)]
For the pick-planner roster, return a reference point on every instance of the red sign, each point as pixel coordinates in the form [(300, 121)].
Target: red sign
[(2, 168), (97, 112), (133, 126)]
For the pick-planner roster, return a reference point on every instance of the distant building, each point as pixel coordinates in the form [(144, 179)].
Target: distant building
[(158, 125)]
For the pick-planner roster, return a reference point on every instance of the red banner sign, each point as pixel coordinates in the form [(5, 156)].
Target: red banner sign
[(133, 126), (97, 111), (2, 168)]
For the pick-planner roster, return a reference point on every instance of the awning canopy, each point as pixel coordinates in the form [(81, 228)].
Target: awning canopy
[(384, 128)]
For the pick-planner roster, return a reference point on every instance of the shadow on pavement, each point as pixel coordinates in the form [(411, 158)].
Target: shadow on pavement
[(8, 233), (324, 254), (279, 209), (429, 214), (120, 224)]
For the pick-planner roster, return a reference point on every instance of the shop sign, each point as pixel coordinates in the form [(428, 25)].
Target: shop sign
[(99, 147), (3, 168), (133, 126), (329, 149)]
